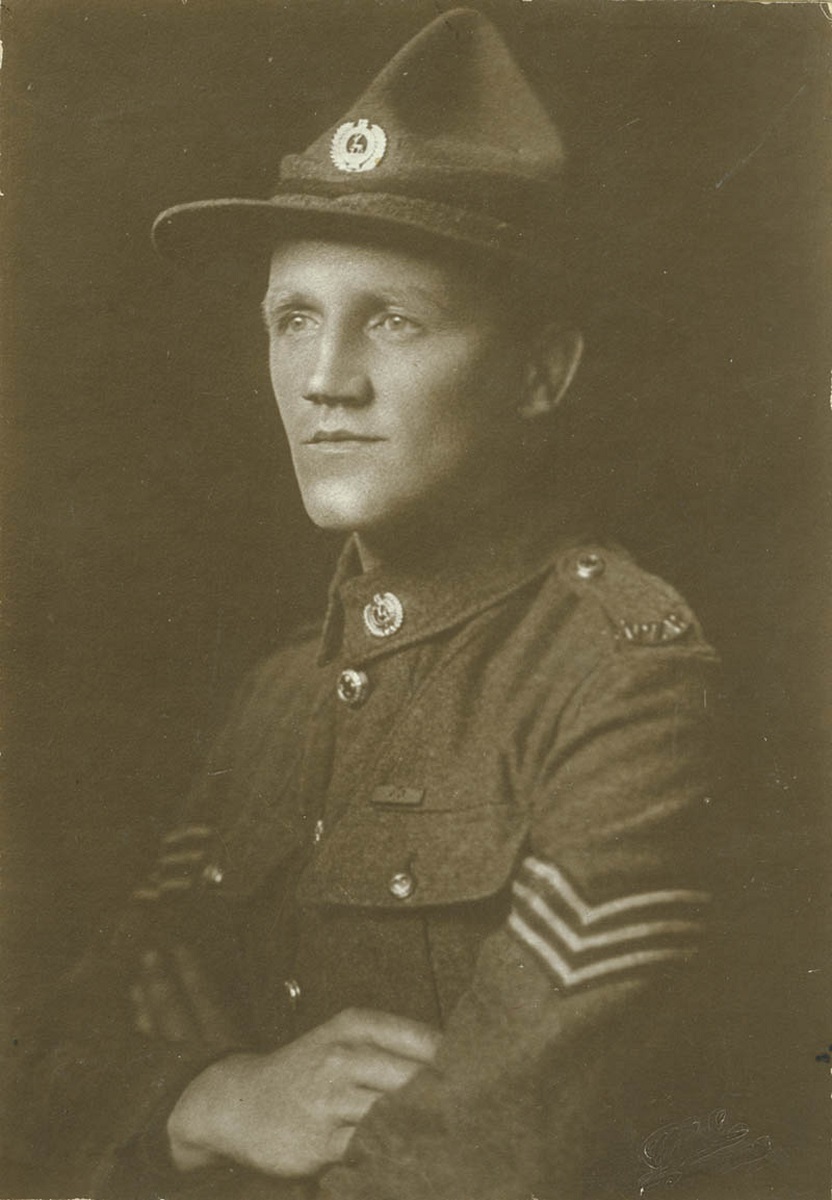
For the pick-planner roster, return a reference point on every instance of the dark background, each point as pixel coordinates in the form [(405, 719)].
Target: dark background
[(155, 546)]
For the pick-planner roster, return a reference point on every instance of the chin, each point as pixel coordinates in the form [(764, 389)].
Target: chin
[(340, 508)]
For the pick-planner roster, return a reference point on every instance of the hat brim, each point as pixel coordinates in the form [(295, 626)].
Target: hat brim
[(237, 236)]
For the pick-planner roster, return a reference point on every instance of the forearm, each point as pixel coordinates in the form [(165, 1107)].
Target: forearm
[(528, 1096), (90, 1098)]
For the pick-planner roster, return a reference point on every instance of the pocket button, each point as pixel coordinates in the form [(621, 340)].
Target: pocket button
[(402, 885)]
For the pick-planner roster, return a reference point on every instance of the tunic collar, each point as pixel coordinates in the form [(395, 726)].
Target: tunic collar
[(442, 587)]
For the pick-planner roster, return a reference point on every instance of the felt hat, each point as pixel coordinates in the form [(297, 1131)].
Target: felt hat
[(448, 142)]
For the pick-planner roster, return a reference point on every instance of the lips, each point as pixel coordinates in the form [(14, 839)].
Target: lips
[(330, 436)]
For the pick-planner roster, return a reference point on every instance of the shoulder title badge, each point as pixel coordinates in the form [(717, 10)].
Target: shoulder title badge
[(358, 146)]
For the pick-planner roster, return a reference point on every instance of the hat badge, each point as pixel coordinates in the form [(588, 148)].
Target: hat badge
[(358, 146)]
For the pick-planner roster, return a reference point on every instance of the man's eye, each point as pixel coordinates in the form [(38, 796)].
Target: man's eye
[(295, 322), (397, 324)]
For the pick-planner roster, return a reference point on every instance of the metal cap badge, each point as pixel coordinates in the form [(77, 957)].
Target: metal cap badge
[(358, 146)]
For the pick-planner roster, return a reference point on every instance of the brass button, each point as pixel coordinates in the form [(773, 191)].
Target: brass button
[(213, 874), (292, 991), (352, 687), (402, 885), (318, 831), (384, 615), (589, 565)]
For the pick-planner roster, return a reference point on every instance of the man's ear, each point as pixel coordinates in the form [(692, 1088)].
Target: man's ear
[(552, 365)]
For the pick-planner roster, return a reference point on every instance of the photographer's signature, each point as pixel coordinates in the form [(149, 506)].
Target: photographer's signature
[(699, 1146)]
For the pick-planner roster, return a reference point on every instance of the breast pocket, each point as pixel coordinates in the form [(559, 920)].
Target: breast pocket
[(416, 859)]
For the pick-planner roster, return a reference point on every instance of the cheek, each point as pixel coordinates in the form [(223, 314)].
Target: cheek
[(286, 375), (473, 407), (451, 441)]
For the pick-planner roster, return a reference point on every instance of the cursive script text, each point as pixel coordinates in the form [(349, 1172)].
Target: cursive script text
[(699, 1146)]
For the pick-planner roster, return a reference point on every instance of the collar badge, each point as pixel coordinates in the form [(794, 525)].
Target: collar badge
[(384, 615), (358, 146)]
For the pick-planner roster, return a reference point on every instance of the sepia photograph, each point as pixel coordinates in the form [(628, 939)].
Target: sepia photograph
[(416, 673)]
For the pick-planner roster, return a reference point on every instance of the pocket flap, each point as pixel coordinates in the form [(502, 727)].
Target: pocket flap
[(415, 858)]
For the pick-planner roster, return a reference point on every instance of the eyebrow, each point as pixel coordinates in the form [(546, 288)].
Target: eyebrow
[(277, 301)]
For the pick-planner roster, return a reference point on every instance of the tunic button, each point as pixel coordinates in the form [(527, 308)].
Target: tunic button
[(213, 874), (402, 885), (292, 991), (589, 565), (352, 687), (384, 615)]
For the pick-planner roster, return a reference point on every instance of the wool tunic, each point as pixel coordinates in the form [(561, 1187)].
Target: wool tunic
[(484, 797)]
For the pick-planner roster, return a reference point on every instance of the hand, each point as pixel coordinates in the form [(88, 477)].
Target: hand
[(294, 1111), (173, 999)]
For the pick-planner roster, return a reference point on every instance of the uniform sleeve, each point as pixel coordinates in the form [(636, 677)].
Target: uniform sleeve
[(550, 1060), (91, 1093), (88, 1081)]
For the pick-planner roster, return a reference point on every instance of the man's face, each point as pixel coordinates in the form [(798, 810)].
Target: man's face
[(394, 379)]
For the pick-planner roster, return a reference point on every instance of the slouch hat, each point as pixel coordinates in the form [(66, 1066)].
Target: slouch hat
[(448, 142)]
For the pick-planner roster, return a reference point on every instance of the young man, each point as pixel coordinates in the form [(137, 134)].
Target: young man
[(435, 907)]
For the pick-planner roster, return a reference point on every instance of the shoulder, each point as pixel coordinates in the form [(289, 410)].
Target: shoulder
[(289, 671), (628, 607), (254, 753)]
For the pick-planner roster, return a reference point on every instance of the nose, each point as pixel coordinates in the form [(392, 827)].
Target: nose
[(338, 375)]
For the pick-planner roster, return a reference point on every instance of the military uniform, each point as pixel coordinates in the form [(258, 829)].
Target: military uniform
[(483, 800)]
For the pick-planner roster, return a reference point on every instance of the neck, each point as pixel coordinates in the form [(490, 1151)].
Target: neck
[(421, 544)]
